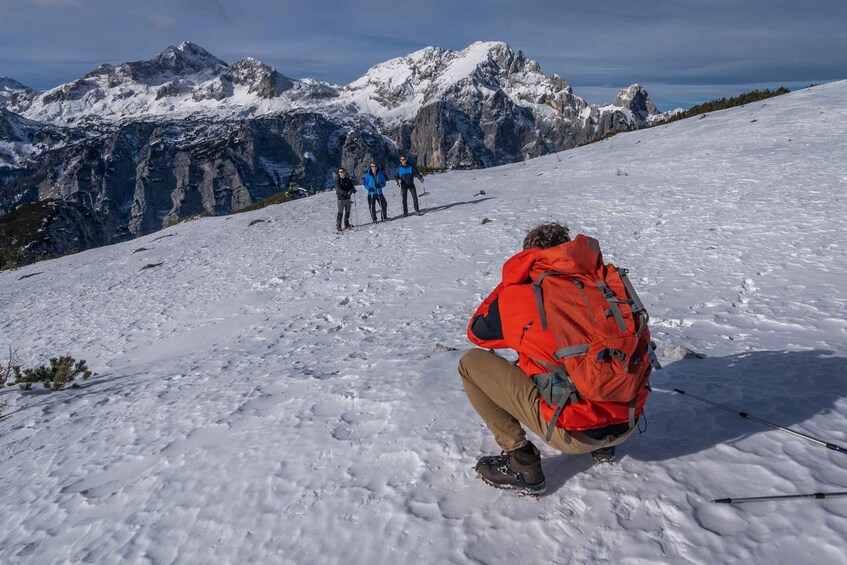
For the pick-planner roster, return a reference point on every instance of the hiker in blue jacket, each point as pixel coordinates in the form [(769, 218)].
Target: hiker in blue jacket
[(374, 182), (406, 174)]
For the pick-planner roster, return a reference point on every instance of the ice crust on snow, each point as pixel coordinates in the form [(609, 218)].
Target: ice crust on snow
[(270, 392)]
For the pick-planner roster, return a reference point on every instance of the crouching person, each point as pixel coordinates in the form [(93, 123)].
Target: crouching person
[(584, 358)]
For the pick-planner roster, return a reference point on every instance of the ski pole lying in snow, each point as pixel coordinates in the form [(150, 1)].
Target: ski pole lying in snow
[(828, 445), (785, 497)]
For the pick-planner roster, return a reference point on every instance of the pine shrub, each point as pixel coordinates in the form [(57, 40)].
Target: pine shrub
[(62, 370), (8, 368), (424, 170), (724, 103)]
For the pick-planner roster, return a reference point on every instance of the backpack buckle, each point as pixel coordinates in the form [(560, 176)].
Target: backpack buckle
[(616, 353)]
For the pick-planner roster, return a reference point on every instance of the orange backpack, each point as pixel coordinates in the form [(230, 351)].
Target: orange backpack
[(603, 349)]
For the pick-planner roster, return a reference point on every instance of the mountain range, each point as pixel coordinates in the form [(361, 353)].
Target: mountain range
[(138, 146)]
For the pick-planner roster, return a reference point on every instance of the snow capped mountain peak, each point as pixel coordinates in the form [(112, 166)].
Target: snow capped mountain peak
[(260, 79), (433, 64), (636, 99), (400, 87), (187, 58)]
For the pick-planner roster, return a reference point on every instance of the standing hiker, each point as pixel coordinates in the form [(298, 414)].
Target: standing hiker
[(561, 384), (345, 190), (374, 182), (406, 174)]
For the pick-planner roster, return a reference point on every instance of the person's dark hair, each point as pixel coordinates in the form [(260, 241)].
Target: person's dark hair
[(546, 235), (403, 155)]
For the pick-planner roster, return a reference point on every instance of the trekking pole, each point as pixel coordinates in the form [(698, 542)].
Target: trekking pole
[(785, 497), (828, 445), (356, 211)]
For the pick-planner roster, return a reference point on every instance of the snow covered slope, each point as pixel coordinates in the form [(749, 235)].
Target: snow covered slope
[(270, 392)]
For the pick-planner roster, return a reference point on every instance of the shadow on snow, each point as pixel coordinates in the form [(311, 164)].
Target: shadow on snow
[(785, 388)]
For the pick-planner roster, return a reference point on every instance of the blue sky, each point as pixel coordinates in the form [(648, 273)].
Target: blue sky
[(683, 51)]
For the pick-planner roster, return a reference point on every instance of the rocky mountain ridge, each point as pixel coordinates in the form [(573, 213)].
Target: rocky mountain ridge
[(188, 81), (8, 87)]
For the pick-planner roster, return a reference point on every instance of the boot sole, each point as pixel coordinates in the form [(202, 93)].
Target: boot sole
[(533, 492)]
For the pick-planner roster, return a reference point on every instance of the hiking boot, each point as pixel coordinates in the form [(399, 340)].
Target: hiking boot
[(604, 455), (348, 226), (518, 470)]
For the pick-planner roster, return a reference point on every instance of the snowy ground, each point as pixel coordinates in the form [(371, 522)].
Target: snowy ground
[(270, 392)]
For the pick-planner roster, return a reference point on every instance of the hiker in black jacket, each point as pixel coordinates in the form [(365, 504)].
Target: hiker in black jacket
[(345, 190), (406, 174)]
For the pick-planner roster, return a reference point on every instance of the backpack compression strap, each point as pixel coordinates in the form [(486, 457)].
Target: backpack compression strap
[(642, 312), (612, 300), (556, 387)]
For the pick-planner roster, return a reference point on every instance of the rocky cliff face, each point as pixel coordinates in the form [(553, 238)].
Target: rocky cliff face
[(142, 176), (141, 145)]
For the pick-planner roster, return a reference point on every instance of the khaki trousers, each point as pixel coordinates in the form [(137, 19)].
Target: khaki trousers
[(505, 398)]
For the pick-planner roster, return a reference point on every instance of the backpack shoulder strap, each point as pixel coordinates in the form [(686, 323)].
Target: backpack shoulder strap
[(539, 298)]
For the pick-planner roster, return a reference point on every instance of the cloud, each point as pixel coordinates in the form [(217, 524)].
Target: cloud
[(213, 7), (164, 23), (71, 4)]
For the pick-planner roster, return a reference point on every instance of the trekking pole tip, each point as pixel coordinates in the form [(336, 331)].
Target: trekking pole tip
[(722, 501), (680, 391)]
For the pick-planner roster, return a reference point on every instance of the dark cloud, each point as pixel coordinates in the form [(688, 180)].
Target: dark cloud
[(717, 46)]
